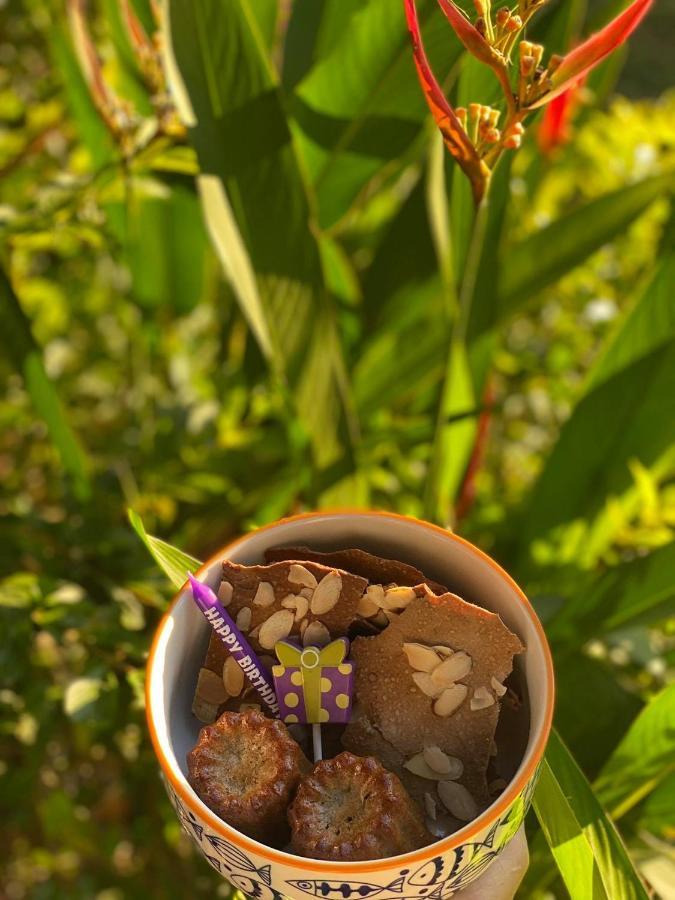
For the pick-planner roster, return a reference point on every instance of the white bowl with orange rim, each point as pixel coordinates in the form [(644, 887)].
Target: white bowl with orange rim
[(435, 871)]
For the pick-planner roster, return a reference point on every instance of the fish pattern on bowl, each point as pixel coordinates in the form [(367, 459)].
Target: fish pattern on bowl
[(438, 878)]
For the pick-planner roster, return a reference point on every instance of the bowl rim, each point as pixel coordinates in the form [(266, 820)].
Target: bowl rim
[(512, 791)]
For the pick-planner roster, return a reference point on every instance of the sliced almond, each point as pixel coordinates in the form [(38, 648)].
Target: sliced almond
[(498, 687), (417, 765), (307, 593), (421, 658), (367, 607), (430, 806), (225, 592), (452, 669), (205, 712), (326, 594), (442, 650), (448, 767), (450, 700), (233, 677), (276, 628), (316, 635), (301, 608), (303, 627), (376, 593), (426, 685), (482, 698), (300, 575), (457, 800), (496, 787), (243, 619), (210, 687), (264, 595), (397, 598)]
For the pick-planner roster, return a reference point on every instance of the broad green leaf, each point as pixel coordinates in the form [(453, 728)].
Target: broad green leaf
[(649, 324), (80, 694), (656, 813), (26, 357), (266, 14), (314, 28), (627, 417), (578, 675), (548, 254), (173, 562), (361, 106), (644, 757), (256, 206), (167, 249), (639, 590), (587, 849)]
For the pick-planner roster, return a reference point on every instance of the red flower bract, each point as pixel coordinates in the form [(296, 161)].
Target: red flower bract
[(593, 50), (456, 139)]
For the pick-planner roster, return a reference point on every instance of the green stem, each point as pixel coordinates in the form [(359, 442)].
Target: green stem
[(437, 499)]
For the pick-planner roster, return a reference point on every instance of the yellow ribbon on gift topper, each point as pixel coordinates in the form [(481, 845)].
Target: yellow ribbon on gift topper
[(310, 661)]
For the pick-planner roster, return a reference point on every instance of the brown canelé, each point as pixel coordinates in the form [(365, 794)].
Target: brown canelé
[(351, 808), (246, 767)]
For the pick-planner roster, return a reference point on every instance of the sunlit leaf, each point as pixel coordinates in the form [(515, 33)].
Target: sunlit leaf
[(360, 107), (173, 562), (257, 209), (587, 849), (644, 757)]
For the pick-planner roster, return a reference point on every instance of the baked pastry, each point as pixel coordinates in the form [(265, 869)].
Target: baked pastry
[(352, 808), (246, 767)]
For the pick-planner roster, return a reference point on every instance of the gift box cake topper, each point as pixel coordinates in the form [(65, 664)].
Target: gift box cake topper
[(313, 684)]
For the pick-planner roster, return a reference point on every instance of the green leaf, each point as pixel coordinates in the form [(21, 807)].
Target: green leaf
[(548, 254), (639, 590), (649, 324), (256, 206), (27, 359), (627, 417), (361, 107), (80, 695), (587, 849), (578, 675), (644, 757), (173, 562)]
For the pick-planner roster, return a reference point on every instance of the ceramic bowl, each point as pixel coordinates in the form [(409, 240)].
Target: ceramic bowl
[(435, 871)]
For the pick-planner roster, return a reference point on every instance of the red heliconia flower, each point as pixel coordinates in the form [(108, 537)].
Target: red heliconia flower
[(456, 139), (554, 128), (586, 56)]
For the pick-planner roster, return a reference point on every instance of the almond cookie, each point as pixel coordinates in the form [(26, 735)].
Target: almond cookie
[(432, 678)]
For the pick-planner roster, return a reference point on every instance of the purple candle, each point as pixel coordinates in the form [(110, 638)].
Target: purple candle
[(240, 649)]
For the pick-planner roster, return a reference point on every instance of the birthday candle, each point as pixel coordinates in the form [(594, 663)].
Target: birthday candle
[(240, 649)]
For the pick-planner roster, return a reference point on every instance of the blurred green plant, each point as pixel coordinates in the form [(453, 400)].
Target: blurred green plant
[(240, 282)]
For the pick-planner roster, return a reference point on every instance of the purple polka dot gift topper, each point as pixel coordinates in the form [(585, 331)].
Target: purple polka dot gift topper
[(313, 684)]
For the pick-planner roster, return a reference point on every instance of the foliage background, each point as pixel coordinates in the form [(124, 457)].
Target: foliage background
[(163, 401)]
